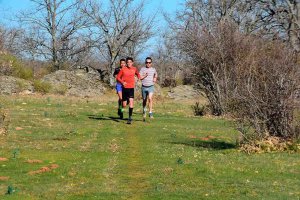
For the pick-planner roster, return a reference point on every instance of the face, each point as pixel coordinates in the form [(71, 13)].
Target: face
[(122, 64), (129, 63), (148, 62)]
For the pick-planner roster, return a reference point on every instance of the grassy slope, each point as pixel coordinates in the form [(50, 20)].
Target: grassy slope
[(174, 156)]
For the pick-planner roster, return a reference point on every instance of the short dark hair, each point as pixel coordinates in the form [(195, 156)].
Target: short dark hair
[(129, 58), (148, 58), (122, 60)]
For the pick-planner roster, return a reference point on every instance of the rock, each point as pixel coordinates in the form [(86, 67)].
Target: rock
[(76, 83), (11, 85), (182, 92)]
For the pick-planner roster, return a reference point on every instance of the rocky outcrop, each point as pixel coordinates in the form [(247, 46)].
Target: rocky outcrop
[(12, 85), (182, 92), (77, 83)]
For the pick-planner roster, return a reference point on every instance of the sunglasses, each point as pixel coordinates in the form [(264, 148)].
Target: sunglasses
[(148, 62)]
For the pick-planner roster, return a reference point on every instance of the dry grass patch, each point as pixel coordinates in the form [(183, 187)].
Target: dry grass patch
[(270, 144)]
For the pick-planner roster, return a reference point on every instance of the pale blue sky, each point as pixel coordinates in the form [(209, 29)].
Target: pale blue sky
[(8, 8)]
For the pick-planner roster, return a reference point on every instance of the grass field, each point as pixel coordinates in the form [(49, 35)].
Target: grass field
[(69, 148)]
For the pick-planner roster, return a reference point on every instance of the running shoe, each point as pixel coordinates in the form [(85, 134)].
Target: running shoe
[(129, 121), (151, 115)]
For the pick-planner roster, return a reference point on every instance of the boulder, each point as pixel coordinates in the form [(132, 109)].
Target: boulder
[(182, 92), (76, 83), (12, 85)]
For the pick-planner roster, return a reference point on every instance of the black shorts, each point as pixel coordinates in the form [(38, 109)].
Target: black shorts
[(127, 93)]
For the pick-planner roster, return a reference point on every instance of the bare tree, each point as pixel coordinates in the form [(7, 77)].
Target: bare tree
[(55, 28), (169, 60), (204, 32), (9, 39), (277, 19), (267, 76), (252, 78), (121, 28)]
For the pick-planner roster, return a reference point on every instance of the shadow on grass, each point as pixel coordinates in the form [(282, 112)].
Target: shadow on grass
[(210, 144), (97, 117), (112, 118)]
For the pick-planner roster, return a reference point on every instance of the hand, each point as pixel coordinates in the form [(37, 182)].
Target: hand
[(124, 83)]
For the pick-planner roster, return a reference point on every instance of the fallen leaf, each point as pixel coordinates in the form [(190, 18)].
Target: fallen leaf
[(3, 159), (192, 136), (53, 166), (211, 137), (204, 139), (4, 178), (44, 169), (34, 161)]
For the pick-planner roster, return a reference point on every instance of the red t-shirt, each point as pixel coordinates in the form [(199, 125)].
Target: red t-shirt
[(127, 75)]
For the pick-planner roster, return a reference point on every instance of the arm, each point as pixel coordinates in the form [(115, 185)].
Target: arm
[(119, 77), (143, 75), (138, 74), (155, 77)]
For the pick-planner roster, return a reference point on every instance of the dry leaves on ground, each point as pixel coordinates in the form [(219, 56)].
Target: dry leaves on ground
[(44, 169)]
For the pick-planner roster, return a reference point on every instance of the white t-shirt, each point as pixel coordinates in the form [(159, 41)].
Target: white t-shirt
[(148, 81)]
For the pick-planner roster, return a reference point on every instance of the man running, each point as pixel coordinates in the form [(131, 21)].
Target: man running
[(126, 77), (148, 86), (119, 87)]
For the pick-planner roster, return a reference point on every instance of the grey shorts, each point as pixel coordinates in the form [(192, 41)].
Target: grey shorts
[(146, 90)]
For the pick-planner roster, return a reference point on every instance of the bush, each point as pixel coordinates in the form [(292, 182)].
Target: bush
[(21, 85), (41, 71), (253, 79), (42, 87), (199, 110), (267, 76), (12, 66), (23, 72), (4, 122), (61, 89), (178, 81), (169, 82)]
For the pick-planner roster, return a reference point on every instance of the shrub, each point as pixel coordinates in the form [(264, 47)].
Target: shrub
[(12, 66), (253, 79), (199, 110), (169, 82), (41, 71), (61, 89), (267, 76), (21, 85), (179, 81), (4, 122), (23, 72), (42, 87)]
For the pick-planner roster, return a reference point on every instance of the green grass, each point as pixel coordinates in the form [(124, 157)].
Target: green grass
[(174, 156)]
